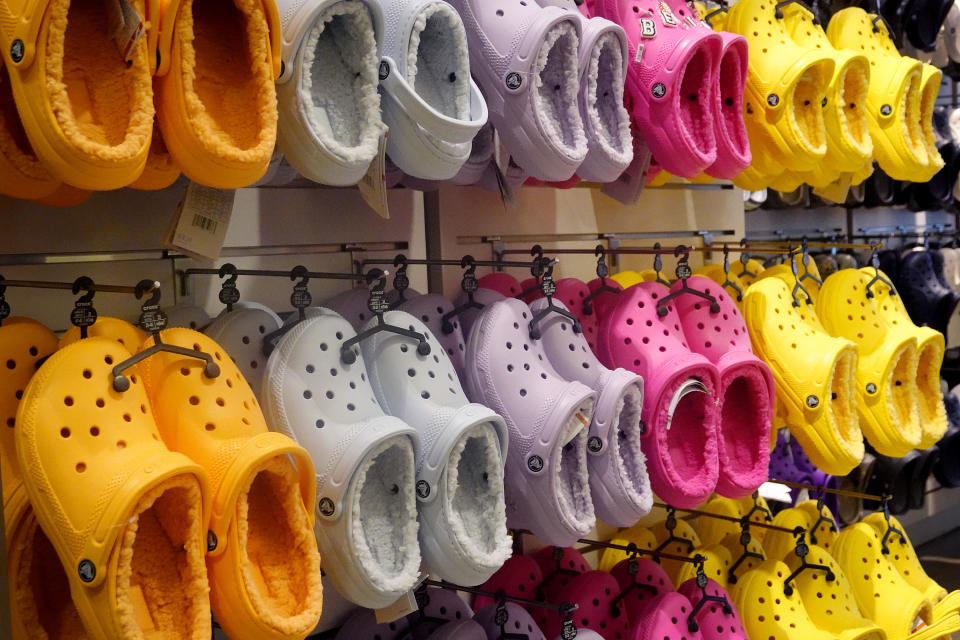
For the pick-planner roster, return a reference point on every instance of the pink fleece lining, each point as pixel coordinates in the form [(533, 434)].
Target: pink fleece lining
[(694, 100), (743, 444), (733, 145)]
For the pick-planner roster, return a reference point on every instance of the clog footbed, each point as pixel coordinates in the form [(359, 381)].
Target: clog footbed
[(714, 622), (680, 439), (120, 331), (849, 144), (887, 363), (903, 556), (594, 593), (746, 390), (161, 170), (714, 530), (688, 541), (769, 610), (263, 561), (87, 113), (330, 123), (328, 406), (216, 100), (816, 383), (734, 544), (36, 579), (893, 96), (784, 92), (519, 577), (431, 309), (880, 591), (640, 536), (463, 533), (665, 617), (518, 621), (547, 488), (119, 508), (830, 603), (241, 333), (22, 175), (617, 468), (716, 565), (650, 580), (515, 51)]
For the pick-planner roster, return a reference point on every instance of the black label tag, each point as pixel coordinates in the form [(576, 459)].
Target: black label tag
[(152, 319), (83, 314)]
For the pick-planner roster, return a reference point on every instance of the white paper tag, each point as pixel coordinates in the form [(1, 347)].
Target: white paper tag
[(402, 606), (688, 387), (373, 185), (199, 226), (776, 492), (125, 26)]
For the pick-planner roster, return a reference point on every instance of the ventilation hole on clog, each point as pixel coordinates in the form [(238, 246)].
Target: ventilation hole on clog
[(425, 395), (329, 395), (220, 402), (510, 368), (81, 467), (230, 383), (245, 340), (94, 431), (121, 444), (68, 401), (523, 393), (143, 408), (625, 341), (65, 432), (253, 364), (100, 403), (645, 340), (209, 426), (307, 394), (320, 424)]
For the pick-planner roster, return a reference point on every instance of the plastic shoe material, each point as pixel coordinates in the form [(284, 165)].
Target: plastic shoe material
[(559, 566), (928, 302), (882, 594), (519, 577), (714, 622), (671, 82), (640, 536), (746, 388), (187, 316), (366, 522), (665, 617), (430, 103), (22, 174), (903, 556), (893, 97), (685, 539), (601, 305), (617, 467), (86, 104), (363, 624), (518, 621), (438, 608), (329, 126), (749, 272), (469, 317), (241, 333), (651, 577), (261, 486), (716, 273), (460, 459), (525, 60), (114, 538), (680, 411), (714, 530), (816, 385), (503, 283), (573, 293), (733, 144), (120, 331), (594, 593), (887, 362), (785, 90), (431, 309), (716, 566), (352, 306), (216, 98), (547, 487), (733, 543)]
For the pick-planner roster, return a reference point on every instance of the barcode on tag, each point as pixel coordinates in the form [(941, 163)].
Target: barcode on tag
[(205, 223)]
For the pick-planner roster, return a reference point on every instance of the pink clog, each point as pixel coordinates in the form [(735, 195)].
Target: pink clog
[(650, 578), (665, 618), (519, 577), (714, 623)]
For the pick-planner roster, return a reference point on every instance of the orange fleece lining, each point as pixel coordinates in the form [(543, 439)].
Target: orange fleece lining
[(280, 561), (228, 78), (14, 145), (103, 107), (162, 558), (41, 592)]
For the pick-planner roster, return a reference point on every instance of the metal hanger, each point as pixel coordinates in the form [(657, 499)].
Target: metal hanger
[(683, 273)]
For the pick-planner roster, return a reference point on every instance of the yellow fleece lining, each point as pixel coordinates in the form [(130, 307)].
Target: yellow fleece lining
[(103, 106), (933, 417), (805, 111), (14, 145), (162, 590), (228, 78), (280, 563), (853, 120), (910, 112), (928, 99), (42, 593), (843, 407), (902, 395)]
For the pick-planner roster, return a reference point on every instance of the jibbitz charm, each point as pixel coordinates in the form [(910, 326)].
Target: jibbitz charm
[(535, 464), (648, 28), (326, 507), (659, 90), (514, 80), (773, 99)]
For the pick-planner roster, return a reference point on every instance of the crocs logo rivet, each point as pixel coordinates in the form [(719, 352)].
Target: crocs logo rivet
[(535, 464), (514, 80), (886, 110), (87, 571), (384, 71), (211, 541), (594, 444), (17, 50), (773, 99), (326, 507), (658, 90), (423, 489), (871, 388), (813, 402)]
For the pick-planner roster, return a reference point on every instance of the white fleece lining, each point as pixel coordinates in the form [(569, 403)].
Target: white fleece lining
[(338, 82), (383, 531), (608, 118), (437, 63), (474, 509), (557, 84), (570, 481), (631, 463)]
